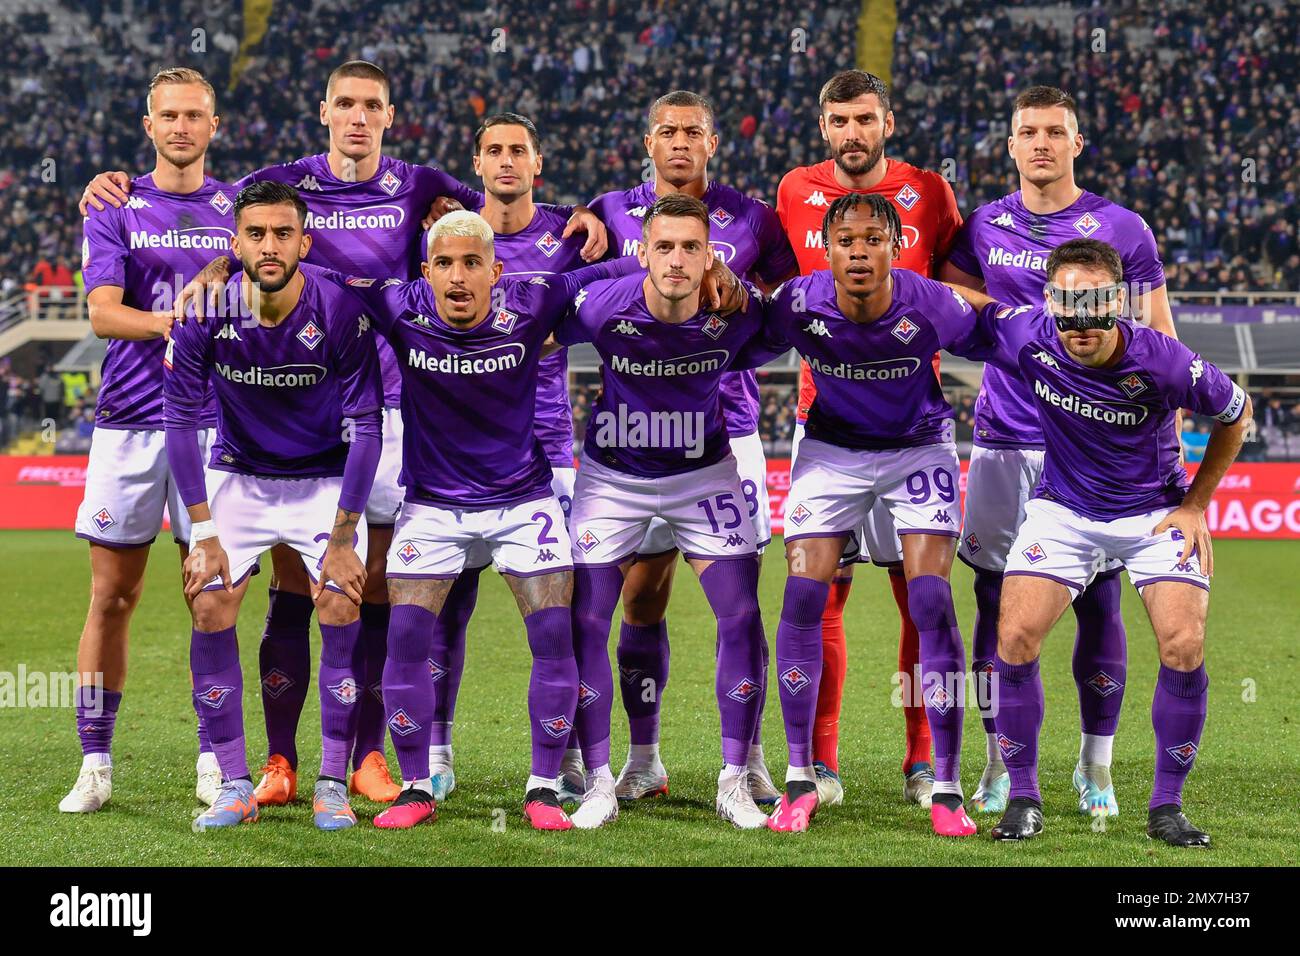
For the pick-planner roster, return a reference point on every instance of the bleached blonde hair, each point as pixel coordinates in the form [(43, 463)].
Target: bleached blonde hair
[(462, 223)]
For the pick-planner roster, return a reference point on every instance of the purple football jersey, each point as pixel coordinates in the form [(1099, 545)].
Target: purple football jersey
[(369, 228), (744, 232), (876, 384), (660, 408), (151, 248), (282, 392), (1008, 246), (468, 395)]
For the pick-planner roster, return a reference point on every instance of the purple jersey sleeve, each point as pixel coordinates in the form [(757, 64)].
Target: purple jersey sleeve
[(565, 297), (186, 365), (998, 334), (442, 183), (769, 340), (103, 250), (1191, 382), (356, 361), (362, 463), (1143, 268)]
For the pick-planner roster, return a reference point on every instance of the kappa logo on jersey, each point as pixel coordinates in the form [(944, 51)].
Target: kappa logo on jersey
[(734, 540), (722, 218), (137, 202), (408, 553), (389, 183), (504, 321), (308, 182), (624, 327), (744, 690), (1133, 385), (310, 335), (1183, 753), (628, 675), (215, 695), (1008, 747), (1005, 221), (579, 298), (548, 244), (587, 695), (436, 670), (800, 515), (714, 326), (103, 520), (422, 320), (1034, 553), (402, 724), (1046, 358), (637, 212), (228, 331), (220, 203), (816, 198), (587, 541), (942, 517), (557, 726), (1103, 684), (818, 327), (276, 682), (1087, 224), (905, 330), (363, 325), (939, 699), (1010, 313), (545, 554), (973, 543), (1197, 368), (345, 691), (794, 679), (907, 197)]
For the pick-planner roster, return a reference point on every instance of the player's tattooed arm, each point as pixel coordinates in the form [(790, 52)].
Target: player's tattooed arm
[(722, 291), (541, 591), (106, 189), (340, 563), (428, 593), (204, 290)]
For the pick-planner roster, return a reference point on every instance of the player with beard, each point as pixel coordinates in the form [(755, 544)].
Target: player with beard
[(856, 121)]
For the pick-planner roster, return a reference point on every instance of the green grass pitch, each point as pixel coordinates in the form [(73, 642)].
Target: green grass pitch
[(1242, 790)]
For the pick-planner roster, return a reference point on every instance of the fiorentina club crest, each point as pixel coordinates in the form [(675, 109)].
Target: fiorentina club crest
[(215, 695), (1034, 553), (628, 675), (557, 726), (794, 679), (587, 541), (1133, 385), (310, 336), (1103, 684), (1008, 747), (743, 691), (722, 218), (548, 244), (1087, 224), (436, 670), (402, 724), (714, 327), (408, 553), (973, 543), (1183, 753), (220, 203), (504, 320), (586, 694), (389, 183), (345, 691), (907, 197), (103, 520), (276, 682), (939, 699), (905, 330), (800, 514)]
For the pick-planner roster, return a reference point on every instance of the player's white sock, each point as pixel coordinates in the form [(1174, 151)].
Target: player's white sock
[(1095, 749), (730, 770), (948, 786), (91, 761), (756, 753), (440, 755), (991, 749), (424, 783), (643, 755), (539, 783), (807, 774), (600, 773)]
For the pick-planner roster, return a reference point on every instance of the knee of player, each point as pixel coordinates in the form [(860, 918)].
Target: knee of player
[(211, 613), (1018, 642), (335, 609), (114, 599), (645, 607), (1183, 648)]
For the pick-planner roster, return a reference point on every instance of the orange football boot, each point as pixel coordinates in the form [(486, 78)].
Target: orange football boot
[(279, 783), (373, 780)]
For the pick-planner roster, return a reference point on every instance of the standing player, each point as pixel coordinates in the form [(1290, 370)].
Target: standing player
[(298, 439), (1003, 249), (134, 258), (365, 212), (1107, 392), (744, 233), (657, 447), (855, 121)]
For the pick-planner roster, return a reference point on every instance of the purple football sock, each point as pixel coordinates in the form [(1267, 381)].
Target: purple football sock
[(553, 687), (1100, 655), (643, 675), (943, 670), (595, 595), (284, 660), (408, 688), (447, 652), (984, 643), (757, 739), (799, 662), (219, 689), (732, 590), (1178, 715), (1019, 718), (370, 712), (340, 688), (96, 717), (205, 742)]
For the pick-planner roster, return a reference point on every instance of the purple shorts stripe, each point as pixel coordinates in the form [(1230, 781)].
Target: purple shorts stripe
[(973, 566), (946, 534), (718, 557), (606, 564), (118, 545), (381, 525), (648, 555), (821, 534), (1044, 574), (216, 585), (1168, 577), (765, 542), (558, 569), (423, 577)]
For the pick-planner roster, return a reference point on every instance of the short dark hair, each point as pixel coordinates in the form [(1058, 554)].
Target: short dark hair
[(268, 193), (680, 98), (1045, 97), (676, 204), (876, 205), (1089, 253), (361, 69), (848, 85), (508, 119)]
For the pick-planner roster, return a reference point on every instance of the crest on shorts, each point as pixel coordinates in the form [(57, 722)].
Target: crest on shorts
[(103, 520), (408, 553), (402, 724), (905, 330), (587, 541), (800, 514), (1034, 553), (276, 682), (1184, 753), (1103, 684), (973, 543), (795, 678)]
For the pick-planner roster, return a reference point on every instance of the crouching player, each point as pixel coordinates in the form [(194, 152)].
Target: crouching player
[(1107, 391), (298, 388)]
